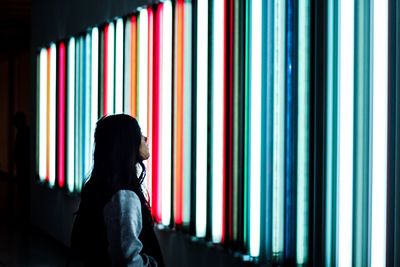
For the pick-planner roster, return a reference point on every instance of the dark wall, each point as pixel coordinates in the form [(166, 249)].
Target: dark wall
[(54, 20)]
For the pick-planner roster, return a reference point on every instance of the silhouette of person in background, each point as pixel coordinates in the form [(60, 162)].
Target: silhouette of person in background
[(21, 159)]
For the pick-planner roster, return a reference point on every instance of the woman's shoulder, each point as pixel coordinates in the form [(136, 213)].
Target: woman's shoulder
[(124, 197)]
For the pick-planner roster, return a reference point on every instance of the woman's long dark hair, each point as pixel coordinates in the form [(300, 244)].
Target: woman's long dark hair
[(116, 156)]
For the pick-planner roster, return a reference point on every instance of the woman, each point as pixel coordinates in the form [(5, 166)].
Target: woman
[(113, 226)]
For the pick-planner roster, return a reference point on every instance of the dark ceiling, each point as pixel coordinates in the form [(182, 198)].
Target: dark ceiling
[(15, 26)]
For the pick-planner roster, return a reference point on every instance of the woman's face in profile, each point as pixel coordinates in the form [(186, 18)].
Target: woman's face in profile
[(144, 148)]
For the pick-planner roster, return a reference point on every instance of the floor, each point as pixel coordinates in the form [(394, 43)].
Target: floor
[(22, 244)]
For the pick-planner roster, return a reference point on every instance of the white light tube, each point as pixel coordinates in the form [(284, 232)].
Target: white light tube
[(346, 111), (278, 131), (71, 115), (166, 113), (201, 123), (379, 132), (42, 114), (255, 128), (110, 69), (127, 66), (142, 68), (218, 127), (53, 112), (87, 111), (95, 88), (119, 67)]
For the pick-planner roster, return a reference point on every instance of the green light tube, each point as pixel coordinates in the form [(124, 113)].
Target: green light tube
[(361, 245), (278, 132), (332, 133), (78, 115), (87, 111), (302, 134), (95, 89), (187, 111)]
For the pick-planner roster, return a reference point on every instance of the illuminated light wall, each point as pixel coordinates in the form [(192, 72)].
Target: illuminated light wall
[(230, 88)]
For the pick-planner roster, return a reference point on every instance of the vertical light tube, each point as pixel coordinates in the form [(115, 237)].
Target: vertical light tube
[(110, 69), (217, 121), (166, 113), (346, 89), (379, 132), (48, 115), (119, 67), (179, 72), (187, 111), (302, 134), (42, 115), (104, 67), (127, 66), (331, 135), (95, 88), (156, 126), (88, 109), (78, 114), (201, 121), (278, 131), (150, 71), (61, 116), (134, 64), (52, 111), (255, 127), (142, 70), (362, 108), (236, 108), (71, 115)]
